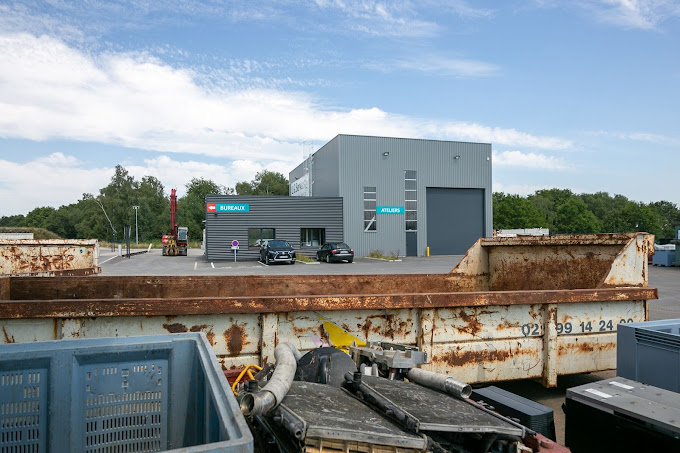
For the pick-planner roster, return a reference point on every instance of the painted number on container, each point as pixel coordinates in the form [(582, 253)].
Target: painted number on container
[(567, 327), (531, 329), (564, 328)]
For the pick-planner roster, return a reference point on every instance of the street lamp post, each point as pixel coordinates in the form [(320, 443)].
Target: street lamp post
[(136, 235)]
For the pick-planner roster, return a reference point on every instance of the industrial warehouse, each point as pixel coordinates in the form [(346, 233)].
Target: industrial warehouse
[(397, 195)]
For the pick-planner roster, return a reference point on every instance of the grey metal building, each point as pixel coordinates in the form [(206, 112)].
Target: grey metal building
[(403, 195), (304, 222)]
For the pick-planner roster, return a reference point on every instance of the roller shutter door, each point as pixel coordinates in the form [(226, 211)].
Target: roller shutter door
[(455, 219)]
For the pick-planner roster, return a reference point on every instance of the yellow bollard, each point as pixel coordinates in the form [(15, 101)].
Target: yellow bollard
[(427, 252)]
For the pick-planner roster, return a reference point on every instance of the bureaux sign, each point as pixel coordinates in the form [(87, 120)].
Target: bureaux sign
[(227, 207)]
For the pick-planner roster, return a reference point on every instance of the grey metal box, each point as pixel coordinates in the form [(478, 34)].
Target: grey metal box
[(620, 415), (649, 352), (150, 393), (531, 414)]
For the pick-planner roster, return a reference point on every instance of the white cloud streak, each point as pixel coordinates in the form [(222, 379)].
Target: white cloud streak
[(628, 14), (528, 160), (639, 136), (49, 90), (61, 179), (439, 65)]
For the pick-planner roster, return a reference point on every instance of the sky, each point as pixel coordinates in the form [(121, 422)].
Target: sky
[(573, 94)]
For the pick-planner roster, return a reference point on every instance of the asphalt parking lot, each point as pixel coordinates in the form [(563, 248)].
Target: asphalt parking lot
[(665, 279)]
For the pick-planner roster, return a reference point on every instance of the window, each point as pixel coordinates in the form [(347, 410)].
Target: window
[(411, 200), (369, 209), (256, 236), (312, 237)]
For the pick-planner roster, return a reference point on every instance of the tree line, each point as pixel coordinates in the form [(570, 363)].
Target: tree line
[(100, 216), (104, 216), (563, 211)]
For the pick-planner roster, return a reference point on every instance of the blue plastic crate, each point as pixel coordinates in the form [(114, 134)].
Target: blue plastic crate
[(133, 394), (649, 352)]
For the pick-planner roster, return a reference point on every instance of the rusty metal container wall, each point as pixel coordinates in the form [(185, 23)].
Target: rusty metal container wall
[(469, 331), (44, 257)]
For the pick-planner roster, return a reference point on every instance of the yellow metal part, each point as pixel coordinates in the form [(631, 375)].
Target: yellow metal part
[(427, 251), (247, 370), (172, 248), (339, 337)]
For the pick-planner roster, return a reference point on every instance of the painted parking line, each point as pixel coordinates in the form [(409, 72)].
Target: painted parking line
[(212, 264), (261, 263), (195, 264), (106, 261)]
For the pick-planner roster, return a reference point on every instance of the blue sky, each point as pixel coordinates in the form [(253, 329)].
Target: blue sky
[(579, 94)]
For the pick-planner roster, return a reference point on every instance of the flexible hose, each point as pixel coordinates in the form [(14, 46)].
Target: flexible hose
[(439, 382), (276, 389)]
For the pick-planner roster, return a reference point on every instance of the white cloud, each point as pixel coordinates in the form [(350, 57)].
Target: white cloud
[(519, 189), (47, 181), (60, 179), (436, 64), (638, 136), (52, 91), (630, 14), (381, 18), (528, 160)]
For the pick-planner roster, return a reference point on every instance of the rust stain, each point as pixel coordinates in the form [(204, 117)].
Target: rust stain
[(366, 327), (486, 357), (235, 337), (175, 328), (207, 330), (507, 325), (585, 348), (473, 326), (8, 338), (322, 334)]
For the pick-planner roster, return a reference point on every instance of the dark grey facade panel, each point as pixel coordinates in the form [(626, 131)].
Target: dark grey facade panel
[(325, 171), (381, 162), (287, 215), (455, 219)]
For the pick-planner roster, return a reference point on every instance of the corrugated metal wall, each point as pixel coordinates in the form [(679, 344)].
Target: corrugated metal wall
[(362, 163), (287, 215), (325, 172)]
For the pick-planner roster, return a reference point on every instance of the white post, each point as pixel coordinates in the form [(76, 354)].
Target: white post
[(136, 234)]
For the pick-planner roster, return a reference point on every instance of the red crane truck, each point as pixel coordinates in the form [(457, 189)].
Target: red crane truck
[(175, 243)]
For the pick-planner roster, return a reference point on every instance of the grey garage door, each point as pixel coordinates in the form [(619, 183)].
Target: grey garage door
[(455, 219)]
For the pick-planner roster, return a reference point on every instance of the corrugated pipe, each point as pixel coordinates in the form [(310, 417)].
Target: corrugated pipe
[(439, 382), (276, 389)]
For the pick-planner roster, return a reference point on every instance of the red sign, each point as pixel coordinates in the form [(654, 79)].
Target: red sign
[(211, 207)]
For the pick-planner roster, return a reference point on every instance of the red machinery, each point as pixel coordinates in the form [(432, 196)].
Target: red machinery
[(175, 243)]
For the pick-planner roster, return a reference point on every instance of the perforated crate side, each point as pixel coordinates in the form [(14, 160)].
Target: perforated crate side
[(134, 394), (23, 409)]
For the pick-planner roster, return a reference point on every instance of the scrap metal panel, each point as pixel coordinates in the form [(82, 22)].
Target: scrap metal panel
[(467, 326), (44, 257)]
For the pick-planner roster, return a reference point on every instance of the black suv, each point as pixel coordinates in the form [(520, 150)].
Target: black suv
[(275, 251)]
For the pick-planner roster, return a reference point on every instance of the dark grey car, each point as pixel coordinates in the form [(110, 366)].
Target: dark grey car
[(276, 251), (335, 251)]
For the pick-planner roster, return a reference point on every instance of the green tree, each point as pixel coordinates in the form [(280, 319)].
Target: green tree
[(39, 217), (669, 216), (118, 197), (514, 211), (265, 183), (191, 207), (12, 220), (153, 216), (573, 216), (548, 201)]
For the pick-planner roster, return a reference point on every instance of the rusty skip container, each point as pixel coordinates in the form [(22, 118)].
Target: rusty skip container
[(49, 257), (513, 308)]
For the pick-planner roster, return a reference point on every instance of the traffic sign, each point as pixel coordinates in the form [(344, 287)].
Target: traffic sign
[(234, 243)]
